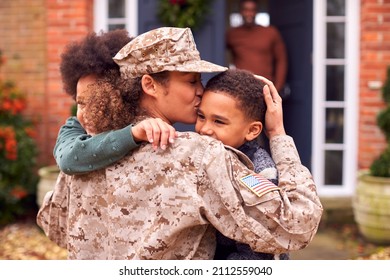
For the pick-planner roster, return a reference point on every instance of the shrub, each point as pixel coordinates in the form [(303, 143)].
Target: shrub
[(381, 166), (18, 176)]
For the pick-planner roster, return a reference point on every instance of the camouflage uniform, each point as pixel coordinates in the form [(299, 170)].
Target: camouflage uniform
[(167, 204)]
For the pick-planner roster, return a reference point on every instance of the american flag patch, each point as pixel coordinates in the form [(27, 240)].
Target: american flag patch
[(258, 184)]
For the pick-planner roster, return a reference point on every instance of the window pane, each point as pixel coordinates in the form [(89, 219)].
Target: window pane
[(116, 26), (335, 39), (116, 8), (335, 83), (333, 167), (335, 8), (334, 125)]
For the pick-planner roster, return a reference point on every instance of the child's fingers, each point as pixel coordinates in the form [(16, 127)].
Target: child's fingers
[(150, 132), (155, 131), (163, 133)]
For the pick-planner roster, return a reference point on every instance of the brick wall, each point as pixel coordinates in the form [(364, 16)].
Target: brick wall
[(33, 34), (66, 21), (374, 59), (22, 41)]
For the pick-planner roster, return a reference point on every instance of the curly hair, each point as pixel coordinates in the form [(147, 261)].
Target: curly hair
[(243, 87), (92, 55), (113, 103)]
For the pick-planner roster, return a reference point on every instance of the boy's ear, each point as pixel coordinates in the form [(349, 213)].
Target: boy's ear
[(149, 85), (254, 130)]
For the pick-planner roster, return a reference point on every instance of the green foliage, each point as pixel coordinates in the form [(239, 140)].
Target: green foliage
[(18, 178), (73, 110), (383, 121), (381, 166), (183, 13), (386, 88)]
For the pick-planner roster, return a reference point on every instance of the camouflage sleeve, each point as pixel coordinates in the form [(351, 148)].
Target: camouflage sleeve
[(52, 216), (283, 219), (77, 152)]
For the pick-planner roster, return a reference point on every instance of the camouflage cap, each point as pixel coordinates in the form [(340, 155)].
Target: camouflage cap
[(162, 49)]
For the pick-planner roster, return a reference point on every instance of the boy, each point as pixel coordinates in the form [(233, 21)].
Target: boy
[(233, 110)]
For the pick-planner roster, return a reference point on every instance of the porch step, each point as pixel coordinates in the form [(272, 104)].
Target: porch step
[(337, 210)]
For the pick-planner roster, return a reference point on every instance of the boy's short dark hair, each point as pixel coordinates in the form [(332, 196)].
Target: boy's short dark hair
[(245, 88)]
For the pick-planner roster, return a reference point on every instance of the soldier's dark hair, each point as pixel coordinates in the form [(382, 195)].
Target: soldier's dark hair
[(244, 88)]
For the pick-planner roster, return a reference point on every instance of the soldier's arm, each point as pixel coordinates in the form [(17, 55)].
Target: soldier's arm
[(270, 219)]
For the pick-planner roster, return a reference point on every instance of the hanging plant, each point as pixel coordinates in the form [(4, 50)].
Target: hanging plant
[(183, 13)]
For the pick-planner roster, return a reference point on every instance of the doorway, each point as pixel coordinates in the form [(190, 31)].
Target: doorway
[(293, 19)]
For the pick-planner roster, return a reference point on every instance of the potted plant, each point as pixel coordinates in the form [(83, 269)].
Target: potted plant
[(371, 203)]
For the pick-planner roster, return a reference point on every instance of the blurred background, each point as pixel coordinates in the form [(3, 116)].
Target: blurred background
[(338, 53)]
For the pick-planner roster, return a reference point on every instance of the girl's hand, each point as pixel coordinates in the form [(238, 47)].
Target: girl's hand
[(155, 131)]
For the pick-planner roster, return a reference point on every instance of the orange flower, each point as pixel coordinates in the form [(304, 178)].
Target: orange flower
[(31, 132), (18, 106), (10, 143), (7, 105), (18, 192)]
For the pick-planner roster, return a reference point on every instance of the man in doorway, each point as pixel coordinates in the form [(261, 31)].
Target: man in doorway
[(257, 48)]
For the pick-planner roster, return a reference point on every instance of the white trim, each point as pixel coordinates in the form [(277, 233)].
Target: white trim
[(350, 103), (100, 12), (101, 20), (132, 17), (319, 34), (352, 88)]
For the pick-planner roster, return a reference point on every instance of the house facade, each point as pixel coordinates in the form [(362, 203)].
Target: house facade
[(338, 51)]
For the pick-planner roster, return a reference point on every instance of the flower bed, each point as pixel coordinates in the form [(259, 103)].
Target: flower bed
[(18, 176)]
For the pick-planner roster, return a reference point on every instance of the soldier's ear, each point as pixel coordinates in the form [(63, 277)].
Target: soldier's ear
[(149, 85), (254, 130)]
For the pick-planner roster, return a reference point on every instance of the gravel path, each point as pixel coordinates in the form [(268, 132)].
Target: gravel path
[(26, 241)]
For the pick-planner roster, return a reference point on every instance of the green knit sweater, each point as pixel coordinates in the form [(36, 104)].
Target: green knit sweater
[(77, 152)]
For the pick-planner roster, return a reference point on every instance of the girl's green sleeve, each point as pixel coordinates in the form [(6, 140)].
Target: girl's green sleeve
[(77, 152)]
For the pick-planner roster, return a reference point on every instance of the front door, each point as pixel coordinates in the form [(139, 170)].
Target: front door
[(294, 19)]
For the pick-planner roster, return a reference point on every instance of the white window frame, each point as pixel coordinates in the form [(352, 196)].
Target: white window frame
[(350, 103), (101, 20)]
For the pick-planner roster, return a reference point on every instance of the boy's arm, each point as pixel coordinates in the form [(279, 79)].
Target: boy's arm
[(77, 152)]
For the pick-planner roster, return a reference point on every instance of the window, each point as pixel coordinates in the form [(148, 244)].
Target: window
[(116, 14)]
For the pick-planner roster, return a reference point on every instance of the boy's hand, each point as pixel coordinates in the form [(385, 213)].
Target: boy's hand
[(155, 131), (274, 115)]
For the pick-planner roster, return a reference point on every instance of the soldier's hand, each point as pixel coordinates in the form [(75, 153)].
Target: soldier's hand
[(274, 115), (155, 131)]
